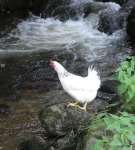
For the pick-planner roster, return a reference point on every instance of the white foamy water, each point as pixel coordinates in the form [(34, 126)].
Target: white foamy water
[(81, 37)]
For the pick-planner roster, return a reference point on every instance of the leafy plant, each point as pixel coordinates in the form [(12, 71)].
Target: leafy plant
[(124, 129), (123, 124), (126, 77)]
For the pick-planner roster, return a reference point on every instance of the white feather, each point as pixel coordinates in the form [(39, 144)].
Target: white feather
[(82, 89)]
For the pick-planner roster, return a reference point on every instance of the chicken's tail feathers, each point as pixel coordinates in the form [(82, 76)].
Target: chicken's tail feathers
[(92, 70)]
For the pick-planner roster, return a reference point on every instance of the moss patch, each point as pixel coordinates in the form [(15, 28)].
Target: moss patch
[(48, 112)]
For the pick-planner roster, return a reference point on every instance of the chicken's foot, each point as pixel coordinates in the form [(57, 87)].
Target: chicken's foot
[(72, 104), (84, 107)]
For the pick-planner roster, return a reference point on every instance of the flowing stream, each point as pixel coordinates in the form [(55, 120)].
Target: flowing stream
[(25, 74)]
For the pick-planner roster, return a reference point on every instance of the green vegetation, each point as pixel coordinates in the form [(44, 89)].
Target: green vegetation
[(123, 127), (122, 124), (126, 77)]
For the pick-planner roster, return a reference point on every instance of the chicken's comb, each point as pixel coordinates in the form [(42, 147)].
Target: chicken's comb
[(52, 61)]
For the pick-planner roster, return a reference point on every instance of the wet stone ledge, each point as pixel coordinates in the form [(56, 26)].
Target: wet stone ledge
[(131, 23), (4, 109), (120, 2), (15, 4)]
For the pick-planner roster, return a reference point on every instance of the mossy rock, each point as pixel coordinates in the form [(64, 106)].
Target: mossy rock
[(109, 86), (35, 143), (67, 143), (94, 134), (59, 119)]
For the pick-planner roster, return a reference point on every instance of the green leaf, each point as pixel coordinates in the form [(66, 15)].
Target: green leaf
[(131, 92), (129, 70), (114, 78), (127, 97), (122, 98), (101, 115), (132, 118), (133, 76), (132, 81), (121, 76), (125, 114), (129, 107), (132, 87), (126, 121), (126, 148), (132, 138), (115, 126), (126, 79), (105, 139), (114, 116), (114, 148), (117, 140), (129, 57), (132, 63), (122, 88), (92, 147), (119, 69), (133, 57), (98, 145), (122, 138), (125, 64), (109, 120), (106, 148)]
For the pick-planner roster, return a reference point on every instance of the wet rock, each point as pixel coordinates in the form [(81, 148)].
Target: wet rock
[(66, 143), (15, 98), (130, 28), (109, 21), (92, 135), (131, 23), (15, 4), (59, 119), (120, 2), (109, 24), (66, 12), (109, 98), (109, 86), (131, 15), (35, 143), (3, 109), (105, 96), (115, 98), (49, 8), (114, 104)]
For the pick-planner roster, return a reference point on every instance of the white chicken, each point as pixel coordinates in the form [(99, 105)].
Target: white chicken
[(82, 89)]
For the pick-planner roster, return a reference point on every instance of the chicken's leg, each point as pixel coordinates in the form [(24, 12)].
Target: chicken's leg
[(84, 107), (72, 104)]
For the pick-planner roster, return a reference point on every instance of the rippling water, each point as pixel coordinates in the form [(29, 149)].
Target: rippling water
[(26, 76), (81, 37)]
